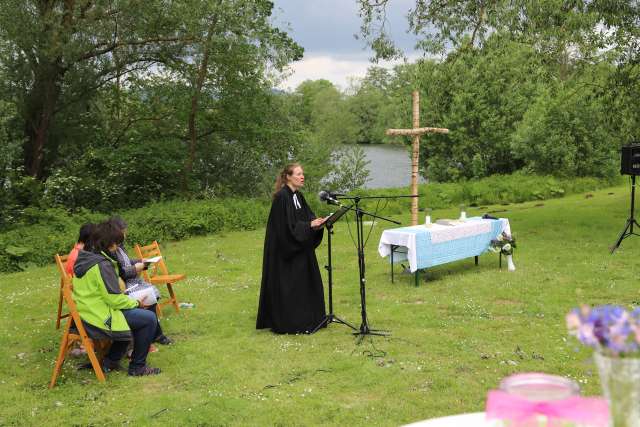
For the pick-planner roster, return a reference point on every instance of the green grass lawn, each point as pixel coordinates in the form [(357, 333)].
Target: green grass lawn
[(453, 338)]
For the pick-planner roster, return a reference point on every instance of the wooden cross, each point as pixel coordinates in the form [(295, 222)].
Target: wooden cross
[(416, 131)]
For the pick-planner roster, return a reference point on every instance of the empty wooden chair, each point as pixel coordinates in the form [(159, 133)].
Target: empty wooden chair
[(74, 331), (158, 274)]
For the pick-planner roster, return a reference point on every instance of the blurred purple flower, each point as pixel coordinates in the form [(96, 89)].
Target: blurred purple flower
[(610, 329)]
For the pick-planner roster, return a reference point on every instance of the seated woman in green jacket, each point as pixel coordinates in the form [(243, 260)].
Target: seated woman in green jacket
[(108, 313)]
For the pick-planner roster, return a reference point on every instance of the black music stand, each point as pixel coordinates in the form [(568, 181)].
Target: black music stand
[(332, 318)]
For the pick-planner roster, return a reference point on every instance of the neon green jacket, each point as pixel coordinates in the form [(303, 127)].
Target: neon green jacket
[(98, 297)]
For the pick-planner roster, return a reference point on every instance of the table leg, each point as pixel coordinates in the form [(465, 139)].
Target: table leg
[(393, 248)]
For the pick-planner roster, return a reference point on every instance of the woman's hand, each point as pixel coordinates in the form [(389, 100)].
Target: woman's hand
[(318, 222), (139, 267)]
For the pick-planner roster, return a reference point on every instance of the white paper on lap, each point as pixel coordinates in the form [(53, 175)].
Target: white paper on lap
[(146, 295)]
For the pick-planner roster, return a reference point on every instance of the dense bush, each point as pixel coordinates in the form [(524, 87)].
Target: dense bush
[(47, 231), (496, 189)]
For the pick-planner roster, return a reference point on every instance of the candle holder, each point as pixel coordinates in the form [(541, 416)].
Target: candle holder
[(540, 387), (427, 217), (463, 213), (542, 400)]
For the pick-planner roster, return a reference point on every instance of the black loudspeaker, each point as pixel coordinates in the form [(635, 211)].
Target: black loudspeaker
[(630, 160)]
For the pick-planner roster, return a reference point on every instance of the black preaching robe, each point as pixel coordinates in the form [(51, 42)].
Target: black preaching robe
[(291, 294)]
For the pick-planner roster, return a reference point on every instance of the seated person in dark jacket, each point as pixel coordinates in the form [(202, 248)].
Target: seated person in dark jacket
[(129, 270), (83, 238), (108, 313)]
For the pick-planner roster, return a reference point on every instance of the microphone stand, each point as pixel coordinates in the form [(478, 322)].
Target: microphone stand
[(331, 318), (364, 326)]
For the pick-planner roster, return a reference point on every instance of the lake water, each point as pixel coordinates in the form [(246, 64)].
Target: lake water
[(390, 166)]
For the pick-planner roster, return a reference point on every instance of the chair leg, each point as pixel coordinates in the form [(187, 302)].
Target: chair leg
[(158, 311), (59, 308), (95, 363), (64, 344), (173, 298)]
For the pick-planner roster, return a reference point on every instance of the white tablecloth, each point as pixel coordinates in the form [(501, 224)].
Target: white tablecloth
[(439, 244), (476, 419)]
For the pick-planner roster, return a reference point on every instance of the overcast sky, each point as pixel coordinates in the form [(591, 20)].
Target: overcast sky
[(326, 28)]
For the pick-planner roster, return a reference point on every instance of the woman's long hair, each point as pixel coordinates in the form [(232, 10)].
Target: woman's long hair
[(104, 235), (281, 179)]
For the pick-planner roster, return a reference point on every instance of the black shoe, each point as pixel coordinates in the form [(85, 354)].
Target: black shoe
[(163, 339), (143, 371), (109, 365)]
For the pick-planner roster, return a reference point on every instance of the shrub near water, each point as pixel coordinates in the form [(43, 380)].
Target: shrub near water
[(496, 189), (49, 231)]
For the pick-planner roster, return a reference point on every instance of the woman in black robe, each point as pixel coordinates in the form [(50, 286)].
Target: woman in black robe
[(291, 294)]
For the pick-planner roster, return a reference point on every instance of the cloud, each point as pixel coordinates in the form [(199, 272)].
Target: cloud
[(336, 68), (329, 26), (326, 28)]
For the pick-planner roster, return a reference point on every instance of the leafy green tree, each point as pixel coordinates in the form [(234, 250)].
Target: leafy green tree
[(57, 53), (567, 131), (351, 169), (234, 47), (307, 92), (369, 103), (486, 94)]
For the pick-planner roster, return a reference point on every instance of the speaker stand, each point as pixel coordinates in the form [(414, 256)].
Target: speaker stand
[(631, 221)]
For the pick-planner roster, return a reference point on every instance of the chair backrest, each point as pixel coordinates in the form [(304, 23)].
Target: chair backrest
[(61, 263), (67, 292), (150, 251), (70, 335)]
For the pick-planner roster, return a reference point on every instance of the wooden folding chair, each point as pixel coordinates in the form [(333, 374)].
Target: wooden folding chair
[(158, 274), (77, 334), (61, 269)]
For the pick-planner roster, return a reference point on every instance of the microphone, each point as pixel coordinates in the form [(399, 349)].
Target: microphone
[(328, 197)]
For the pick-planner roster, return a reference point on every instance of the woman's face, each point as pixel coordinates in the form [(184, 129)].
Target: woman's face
[(296, 179)]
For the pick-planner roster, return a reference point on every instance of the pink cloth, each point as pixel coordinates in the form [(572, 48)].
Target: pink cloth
[(593, 411)]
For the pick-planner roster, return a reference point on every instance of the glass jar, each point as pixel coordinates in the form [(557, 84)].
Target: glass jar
[(539, 387)]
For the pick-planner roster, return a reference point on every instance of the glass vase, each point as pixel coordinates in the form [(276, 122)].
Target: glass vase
[(620, 379)]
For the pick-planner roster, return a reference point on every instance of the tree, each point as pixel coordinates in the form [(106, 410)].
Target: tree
[(503, 64), (567, 131), (369, 103), (57, 53), (234, 47), (450, 25)]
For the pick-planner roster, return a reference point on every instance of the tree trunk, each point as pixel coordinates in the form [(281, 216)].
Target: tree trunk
[(42, 99), (197, 90), (40, 111)]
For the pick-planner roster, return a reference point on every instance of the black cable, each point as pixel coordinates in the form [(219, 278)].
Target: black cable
[(386, 202), (350, 233), (376, 353)]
